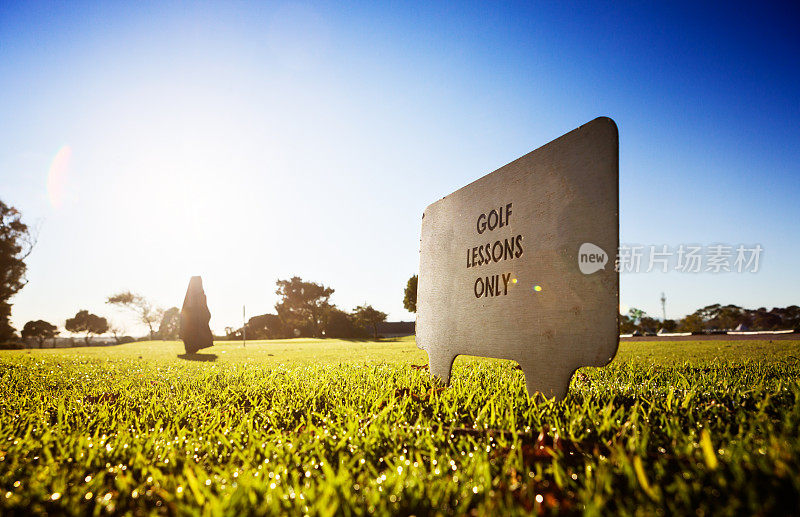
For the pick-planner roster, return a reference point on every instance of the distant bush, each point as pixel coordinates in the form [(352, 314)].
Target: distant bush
[(265, 326), (339, 324), (126, 339), (12, 345)]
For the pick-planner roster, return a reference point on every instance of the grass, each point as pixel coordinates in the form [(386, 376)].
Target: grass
[(332, 427)]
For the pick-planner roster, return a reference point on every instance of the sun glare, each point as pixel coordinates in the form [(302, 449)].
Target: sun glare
[(57, 176)]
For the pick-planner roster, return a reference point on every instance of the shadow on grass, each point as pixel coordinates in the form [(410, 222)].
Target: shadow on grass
[(198, 357)]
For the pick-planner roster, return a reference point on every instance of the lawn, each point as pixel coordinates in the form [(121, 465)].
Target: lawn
[(336, 427)]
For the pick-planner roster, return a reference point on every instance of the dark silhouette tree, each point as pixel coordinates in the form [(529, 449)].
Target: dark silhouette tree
[(410, 295), (16, 243), (669, 325), (303, 305), (87, 323), (368, 317), (339, 324), (117, 331), (148, 313), (691, 323), (626, 324), (765, 320), (728, 317), (263, 326), (790, 316), (39, 330), (721, 317), (170, 327), (648, 324)]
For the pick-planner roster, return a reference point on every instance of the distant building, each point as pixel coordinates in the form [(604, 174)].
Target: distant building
[(396, 328)]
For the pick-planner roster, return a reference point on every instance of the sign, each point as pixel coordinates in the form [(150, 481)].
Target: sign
[(520, 264)]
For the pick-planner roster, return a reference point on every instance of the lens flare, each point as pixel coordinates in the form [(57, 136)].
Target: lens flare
[(537, 288), (57, 176)]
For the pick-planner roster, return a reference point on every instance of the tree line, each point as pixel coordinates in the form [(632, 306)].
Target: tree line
[(304, 310), (714, 317)]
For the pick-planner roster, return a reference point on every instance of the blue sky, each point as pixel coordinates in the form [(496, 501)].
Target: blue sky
[(247, 142)]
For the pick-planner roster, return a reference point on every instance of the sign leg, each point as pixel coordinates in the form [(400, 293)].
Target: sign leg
[(546, 381), (440, 365)]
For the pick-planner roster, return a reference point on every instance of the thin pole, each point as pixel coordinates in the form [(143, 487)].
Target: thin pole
[(244, 328)]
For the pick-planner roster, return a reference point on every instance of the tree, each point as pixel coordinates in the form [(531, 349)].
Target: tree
[(39, 330), (729, 317), (626, 324), (765, 320), (636, 315), (86, 322), (266, 326), (691, 323), (367, 317), (139, 305), (790, 316), (339, 324), (263, 326), (303, 304), (117, 331), (410, 295), (16, 243), (669, 325), (170, 327), (721, 317), (648, 324)]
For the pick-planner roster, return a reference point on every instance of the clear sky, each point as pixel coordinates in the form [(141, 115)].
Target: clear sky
[(247, 142)]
